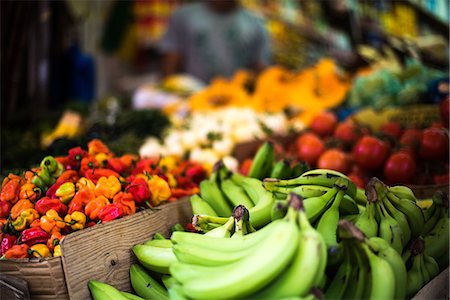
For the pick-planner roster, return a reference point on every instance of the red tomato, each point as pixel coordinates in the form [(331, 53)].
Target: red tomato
[(347, 132), (334, 159), (357, 180), (370, 152), (444, 110), (324, 123), (411, 138), (400, 168), (309, 148), (391, 129), (434, 144)]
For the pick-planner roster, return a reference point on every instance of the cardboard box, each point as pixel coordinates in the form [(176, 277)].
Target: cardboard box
[(102, 252)]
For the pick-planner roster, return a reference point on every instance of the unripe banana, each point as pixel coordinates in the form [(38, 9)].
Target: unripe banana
[(201, 207), (437, 241), (403, 192), (412, 212), (159, 243), (415, 278), (145, 285), (168, 281), (400, 218), (328, 222), (154, 258), (235, 194), (103, 291), (389, 254), (367, 222), (389, 229), (261, 166), (131, 296), (281, 170), (211, 193)]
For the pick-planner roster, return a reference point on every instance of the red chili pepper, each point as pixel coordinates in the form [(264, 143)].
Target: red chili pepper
[(75, 156), (111, 212), (10, 191), (116, 164), (51, 192), (7, 242), (90, 224), (95, 174), (68, 175), (33, 236), (5, 209), (127, 201), (45, 204), (145, 166), (139, 189), (88, 164), (81, 198), (17, 251)]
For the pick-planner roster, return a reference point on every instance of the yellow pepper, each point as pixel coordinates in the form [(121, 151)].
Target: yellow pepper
[(108, 187), (66, 192), (172, 181), (57, 251), (168, 163), (25, 218), (77, 220), (159, 188), (52, 221), (102, 158), (20, 206), (40, 250), (83, 182)]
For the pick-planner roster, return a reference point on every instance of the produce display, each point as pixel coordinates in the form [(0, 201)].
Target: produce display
[(86, 187), (342, 241), (397, 155), (207, 137)]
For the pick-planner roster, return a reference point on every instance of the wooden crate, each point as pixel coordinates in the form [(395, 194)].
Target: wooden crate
[(102, 252), (427, 191)]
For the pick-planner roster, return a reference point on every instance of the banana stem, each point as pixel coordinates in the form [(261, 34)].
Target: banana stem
[(346, 230)]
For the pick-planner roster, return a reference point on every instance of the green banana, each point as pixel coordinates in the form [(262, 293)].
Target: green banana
[(306, 190), (145, 285), (279, 209), (201, 207), (357, 285), (400, 218), (281, 170), (222, 244), (309, 264), (155, 258), (389, 229), (103, 291), (348, 206), (298, 169), (430, 265), (389, 254), (360, 197), (158, 236), (341, 280), (261, 166), (367, 222), (412, 212), (321, 177), (235, 194), (223, 231), (437, 240), (211, 193), (176, 293), (316, 206), (431, 222), (159, 243), (382, 276), (414, 278), (248, 274), (131, 296), (328, 222), (403, 192), (168, 281)]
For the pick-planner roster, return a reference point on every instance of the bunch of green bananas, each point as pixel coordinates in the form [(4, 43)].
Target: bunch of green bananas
[(393, 213), (371, 269), (234, 261)]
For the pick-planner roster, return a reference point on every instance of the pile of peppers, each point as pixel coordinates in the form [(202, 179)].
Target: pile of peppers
[(85, 188)]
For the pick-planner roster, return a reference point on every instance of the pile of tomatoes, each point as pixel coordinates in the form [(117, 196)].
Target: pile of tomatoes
[(397, 155)]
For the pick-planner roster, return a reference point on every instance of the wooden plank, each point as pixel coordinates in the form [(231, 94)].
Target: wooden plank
[(45, 277), (103, 252), (435, 289)]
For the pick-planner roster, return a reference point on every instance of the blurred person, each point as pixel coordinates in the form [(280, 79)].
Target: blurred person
[(212, 38)]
